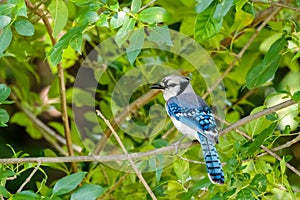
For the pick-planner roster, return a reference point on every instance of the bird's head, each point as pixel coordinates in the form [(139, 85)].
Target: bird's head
[(172, 85)]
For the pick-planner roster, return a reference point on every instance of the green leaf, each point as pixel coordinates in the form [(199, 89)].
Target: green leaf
[(245, 194), (4, 93), (264, 70), (295, 97), (113, 4), (6, 9), (68, 183), (182, 170), (6, 173), (76, 42), (118, 19), (88, 17), (203, 183), (259, 182), (87, 191), (59, 13), (5, 38), (206, 25), (153, 15), (123, 32), (73, 35), (222, 9), (296, 56), (4, 192), (201, 5), (159, 143), (135, 6), (4, 21), (136, 41), (21, 7), (102, 21), (4, 117), (259, 140), (282, 166), (160, 35), (24, 27), (25, 195)]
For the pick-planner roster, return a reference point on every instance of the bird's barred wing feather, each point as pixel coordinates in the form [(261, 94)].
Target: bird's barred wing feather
[(200, 119)]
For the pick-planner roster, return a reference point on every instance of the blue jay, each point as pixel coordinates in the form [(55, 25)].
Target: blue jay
[(193, 117)]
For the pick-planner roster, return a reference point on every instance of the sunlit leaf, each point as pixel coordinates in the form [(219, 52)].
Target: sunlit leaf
[(123, 32), (206, 25), (222, 9), (201, 5), (135, 5), (295, 97), (153, 15), (264, 70), (59, 13), (182, 170), (55, 53)]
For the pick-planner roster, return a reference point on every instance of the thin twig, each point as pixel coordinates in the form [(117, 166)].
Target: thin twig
[(29, 177), (147, 5), (257, 115), (120, 117), (278, 4), (134, 167), (192, 161), (286, 145), (241, 53), (61, 78), (65, 118), (113, 187)]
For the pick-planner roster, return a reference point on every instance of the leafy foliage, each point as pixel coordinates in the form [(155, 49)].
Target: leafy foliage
[(36, 37)]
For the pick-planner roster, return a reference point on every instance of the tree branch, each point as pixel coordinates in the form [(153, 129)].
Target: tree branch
[(257, 115), (62, 87), (29, 177), (286, 145), (95, 158), (134, 167)]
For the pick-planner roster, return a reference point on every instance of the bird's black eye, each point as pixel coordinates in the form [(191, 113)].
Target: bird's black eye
[(172, 85)]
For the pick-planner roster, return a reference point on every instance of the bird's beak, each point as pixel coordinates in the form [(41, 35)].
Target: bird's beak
[(157, 86)]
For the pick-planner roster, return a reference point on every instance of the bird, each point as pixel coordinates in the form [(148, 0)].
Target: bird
[(193, 118)]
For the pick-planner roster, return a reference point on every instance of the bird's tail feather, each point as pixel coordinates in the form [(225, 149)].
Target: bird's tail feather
[(213, 164)]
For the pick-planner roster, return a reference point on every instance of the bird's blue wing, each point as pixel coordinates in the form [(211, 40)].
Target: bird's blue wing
[(199, 118)]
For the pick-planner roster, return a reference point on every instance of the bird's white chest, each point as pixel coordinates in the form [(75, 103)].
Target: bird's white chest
[(184, 129)]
